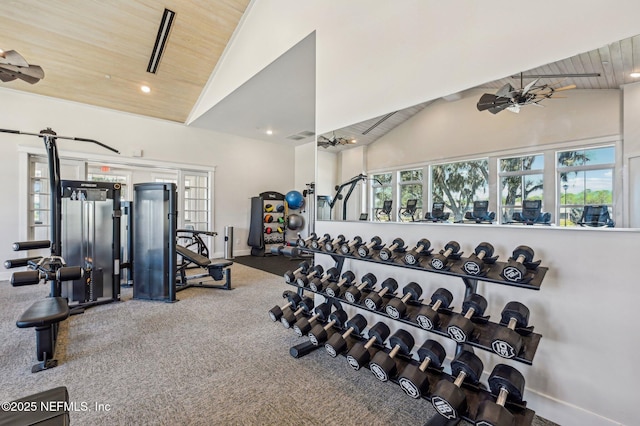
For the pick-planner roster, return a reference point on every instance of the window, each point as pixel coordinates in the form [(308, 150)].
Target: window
[(459, 184), (521, 178), (410, 188), (39, 209), (382, 190), (196, 201), (585, 177)]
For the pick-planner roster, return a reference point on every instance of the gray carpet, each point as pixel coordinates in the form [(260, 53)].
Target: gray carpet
[(213, 358)]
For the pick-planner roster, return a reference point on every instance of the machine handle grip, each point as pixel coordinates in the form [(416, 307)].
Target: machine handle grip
[(25, 278), (17, 263), (31, 245), (69, 273)]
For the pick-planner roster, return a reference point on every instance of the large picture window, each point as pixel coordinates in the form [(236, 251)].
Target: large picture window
[(586, 179), (459, 184), (381, 191), (410, 189), (521, 178)]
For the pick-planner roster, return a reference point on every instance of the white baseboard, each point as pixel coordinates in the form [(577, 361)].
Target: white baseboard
[(563, 413)]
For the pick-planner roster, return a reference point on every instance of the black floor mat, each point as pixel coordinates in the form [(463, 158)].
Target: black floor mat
[(277, 265)]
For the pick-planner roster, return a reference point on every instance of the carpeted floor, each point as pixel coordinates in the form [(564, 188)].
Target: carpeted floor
[(213, 358)]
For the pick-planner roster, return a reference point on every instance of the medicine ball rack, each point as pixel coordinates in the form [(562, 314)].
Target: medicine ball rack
[(484, 329)]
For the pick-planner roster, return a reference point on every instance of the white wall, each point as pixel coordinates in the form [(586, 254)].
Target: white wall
[(243, 167), (445, 130), (584, 371)]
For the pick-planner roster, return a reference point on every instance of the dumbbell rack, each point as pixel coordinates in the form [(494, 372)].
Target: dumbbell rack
[(475, 394), (484, 329)]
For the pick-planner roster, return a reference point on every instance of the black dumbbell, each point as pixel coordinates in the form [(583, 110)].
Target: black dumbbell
[(515, 270), (304, 242), (333, 245), (475, 264), (359, 354), (388, 253), (422, 248), (396, 307), (440, 260), (374, 300), (427, 316), (507, 384), (317, 243), (303, 280), (364, 250), (413, 379), (383, 365), (346, 247), (507, 342), (290, 276), (354, 292), (318, 334), (460, 327), (334, 289), (318, 283), (304, 324), (293, 299), (337, 342), (290, 316), (447, 398)]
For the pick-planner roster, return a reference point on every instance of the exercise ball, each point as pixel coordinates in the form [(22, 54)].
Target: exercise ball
[(295, 221), (295, 200), (268, 230), (268, 218), (268, 208), (280, 208)]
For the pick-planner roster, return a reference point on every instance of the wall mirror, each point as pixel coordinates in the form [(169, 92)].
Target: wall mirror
[(543, 147)]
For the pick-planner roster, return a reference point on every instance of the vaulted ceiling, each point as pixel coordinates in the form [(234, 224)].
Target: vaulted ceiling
[(97, 52)]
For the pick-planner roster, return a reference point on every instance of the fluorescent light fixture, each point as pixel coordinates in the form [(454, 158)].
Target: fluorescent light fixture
[(161, 40)]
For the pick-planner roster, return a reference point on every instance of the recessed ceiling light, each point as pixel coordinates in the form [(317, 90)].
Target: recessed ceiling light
[(634, 74), (107, 76), (145, 89), (269, 132)]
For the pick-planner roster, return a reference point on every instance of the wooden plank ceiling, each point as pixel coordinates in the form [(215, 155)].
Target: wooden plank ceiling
[(614, 62), (96, 52)]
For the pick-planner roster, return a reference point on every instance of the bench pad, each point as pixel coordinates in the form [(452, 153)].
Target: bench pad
[(47, 311)]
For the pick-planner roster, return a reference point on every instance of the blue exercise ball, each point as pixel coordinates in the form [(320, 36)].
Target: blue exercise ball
[(295, 200)]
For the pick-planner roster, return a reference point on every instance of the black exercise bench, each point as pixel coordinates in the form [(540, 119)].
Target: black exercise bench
[(216, 269), (45, 315), (48, 408)]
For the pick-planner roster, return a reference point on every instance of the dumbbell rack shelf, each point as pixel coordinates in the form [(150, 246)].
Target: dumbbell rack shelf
[(475, 394), (532, 280), (483, 330)]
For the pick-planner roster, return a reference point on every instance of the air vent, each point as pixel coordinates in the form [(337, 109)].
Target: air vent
[(301, 135), (161, 40)]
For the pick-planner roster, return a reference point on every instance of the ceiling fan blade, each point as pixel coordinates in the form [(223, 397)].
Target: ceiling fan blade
[(569, 87), (5, 77), (489, 101), (31, 70), (11, 57), (529, 86), (505, 91), (10, 70)]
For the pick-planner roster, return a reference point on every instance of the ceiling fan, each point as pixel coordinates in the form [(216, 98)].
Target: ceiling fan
[(13, 65), (513, 99), (325, 142)]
